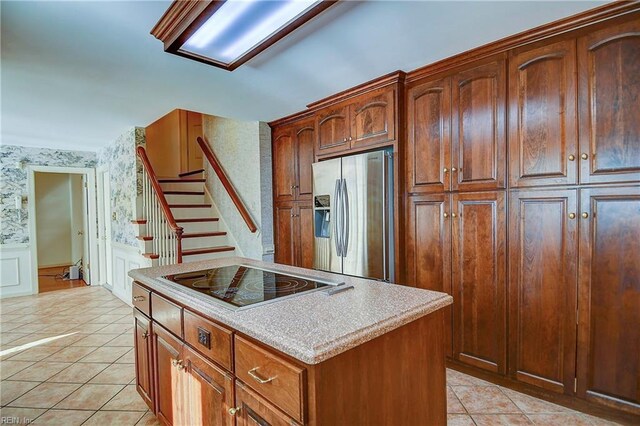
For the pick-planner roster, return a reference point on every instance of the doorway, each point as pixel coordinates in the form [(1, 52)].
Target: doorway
[(62, 223)]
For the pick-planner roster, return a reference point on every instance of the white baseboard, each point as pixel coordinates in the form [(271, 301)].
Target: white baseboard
[(15, 270)]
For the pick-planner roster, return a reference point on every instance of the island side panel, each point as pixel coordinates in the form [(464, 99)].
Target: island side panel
[(397, 378)]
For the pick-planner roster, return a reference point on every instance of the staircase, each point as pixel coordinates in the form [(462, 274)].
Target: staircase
[(180, 223)]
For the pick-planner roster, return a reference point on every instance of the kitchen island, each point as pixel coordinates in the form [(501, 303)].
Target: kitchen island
[(372, 354)]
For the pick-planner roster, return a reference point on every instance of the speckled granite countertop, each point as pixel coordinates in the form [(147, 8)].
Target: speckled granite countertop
[(310, 327)]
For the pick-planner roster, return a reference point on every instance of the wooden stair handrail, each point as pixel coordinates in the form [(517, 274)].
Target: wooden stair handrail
[(142, 154), (215, 164)]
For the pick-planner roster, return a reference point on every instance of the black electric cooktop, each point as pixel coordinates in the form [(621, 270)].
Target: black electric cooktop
[(245, 286)]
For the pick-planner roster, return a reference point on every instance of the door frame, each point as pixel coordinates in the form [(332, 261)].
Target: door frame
[(90, 176), (103, 172)]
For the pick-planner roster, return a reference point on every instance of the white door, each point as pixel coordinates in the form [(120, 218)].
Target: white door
[(104, 228), (86, 265)]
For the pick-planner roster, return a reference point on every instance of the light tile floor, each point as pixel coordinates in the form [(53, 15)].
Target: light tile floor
[(80, 370)]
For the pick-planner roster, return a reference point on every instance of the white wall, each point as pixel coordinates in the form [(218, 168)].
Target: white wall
[(53, 219)]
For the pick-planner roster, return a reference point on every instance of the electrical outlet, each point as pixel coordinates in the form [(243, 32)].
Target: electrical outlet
[(204, 338), (114, 216)]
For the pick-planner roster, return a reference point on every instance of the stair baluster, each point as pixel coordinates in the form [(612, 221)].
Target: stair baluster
[(160, 225)]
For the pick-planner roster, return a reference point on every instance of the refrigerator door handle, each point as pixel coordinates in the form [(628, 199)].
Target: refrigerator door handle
[(337, 226), (345, 220)]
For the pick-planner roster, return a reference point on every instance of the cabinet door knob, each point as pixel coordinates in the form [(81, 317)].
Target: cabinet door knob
[(584, 156), (585, 215), (344, 140), (572, 215), (453, 169), (446, 215), (350, 138), (145, 334), (234, 410), (454, 215), (572, 157), (445, 170)]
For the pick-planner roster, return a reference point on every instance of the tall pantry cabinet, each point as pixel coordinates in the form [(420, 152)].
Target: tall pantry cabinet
[(523, 181)]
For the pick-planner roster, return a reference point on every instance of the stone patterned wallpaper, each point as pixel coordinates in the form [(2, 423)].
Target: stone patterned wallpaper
[(126, 183), (13, 181), (244, 149)]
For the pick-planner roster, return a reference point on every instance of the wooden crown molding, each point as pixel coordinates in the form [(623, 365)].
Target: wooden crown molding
[(559, 27), (178, 18)]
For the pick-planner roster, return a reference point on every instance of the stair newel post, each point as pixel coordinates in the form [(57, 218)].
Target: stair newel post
[(179, 244)]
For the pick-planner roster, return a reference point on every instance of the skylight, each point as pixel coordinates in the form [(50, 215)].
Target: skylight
[(227, 34)]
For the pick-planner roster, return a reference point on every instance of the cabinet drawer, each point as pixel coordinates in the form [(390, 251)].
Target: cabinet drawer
[(167, 314), (141, 299), (208, 338), (255, 410), (278, 380)]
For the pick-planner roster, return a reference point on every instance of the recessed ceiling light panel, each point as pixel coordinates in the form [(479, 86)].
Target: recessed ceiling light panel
[(229, 33)]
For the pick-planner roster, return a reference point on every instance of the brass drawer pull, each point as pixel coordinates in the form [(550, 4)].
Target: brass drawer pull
[(234, 410), (259, 379), (138, 298)]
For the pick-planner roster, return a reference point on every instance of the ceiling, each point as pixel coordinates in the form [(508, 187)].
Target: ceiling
[(76, 74)]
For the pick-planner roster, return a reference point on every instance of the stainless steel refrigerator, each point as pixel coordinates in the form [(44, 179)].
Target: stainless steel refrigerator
[(353, 215)]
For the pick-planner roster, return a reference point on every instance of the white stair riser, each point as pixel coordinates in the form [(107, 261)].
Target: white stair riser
[(202, 242), (184, 199), (197, 227), (191, 213), (182, 186), (208, 256)]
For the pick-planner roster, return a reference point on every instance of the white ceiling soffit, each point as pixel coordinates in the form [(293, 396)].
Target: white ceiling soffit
[(76, 74)]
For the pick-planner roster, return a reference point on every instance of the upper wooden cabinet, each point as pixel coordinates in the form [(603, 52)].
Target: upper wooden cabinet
[(293, 156), (542, 116), (429, 136), (367, 120), (333, 129), (456, 130), (609, 103), (478, 158)]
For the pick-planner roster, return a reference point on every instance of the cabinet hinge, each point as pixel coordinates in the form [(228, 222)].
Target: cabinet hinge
[(575, 384)]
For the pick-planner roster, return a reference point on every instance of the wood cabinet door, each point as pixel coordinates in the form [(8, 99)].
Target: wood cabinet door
[(209, 390), (254, 410), (284, 234), (373, 118), (609, 297), (478, 127), (169, 379), (478, 270), (333, 130), (284, 160), (429, 249), (305, 238), (543, 129), (543, 277), (609, 99), (429, 136), (143, 357), (305, 134)]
